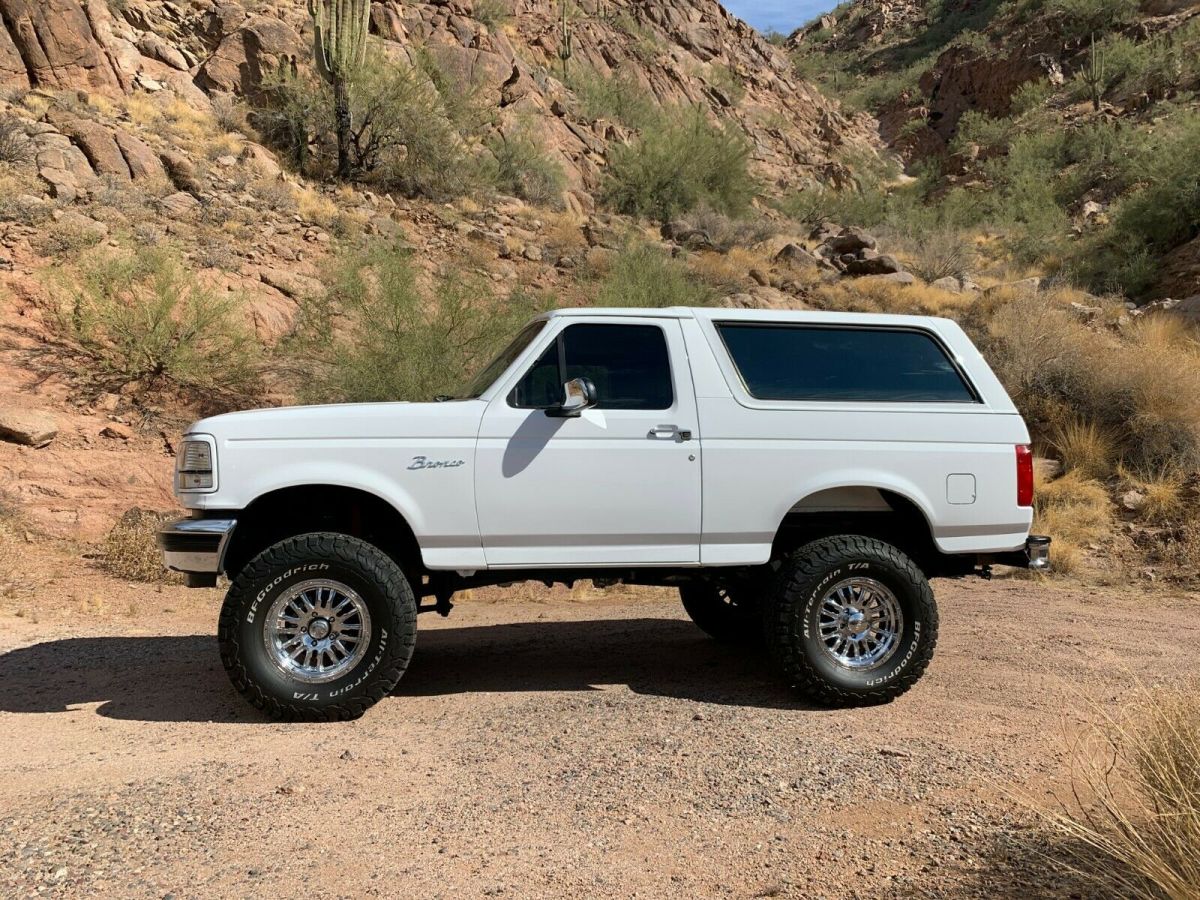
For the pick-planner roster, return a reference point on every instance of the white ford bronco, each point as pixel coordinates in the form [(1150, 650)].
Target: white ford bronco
[(799, 476)]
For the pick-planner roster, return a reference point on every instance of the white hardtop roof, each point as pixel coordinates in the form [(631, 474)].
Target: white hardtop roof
[(745, 315)]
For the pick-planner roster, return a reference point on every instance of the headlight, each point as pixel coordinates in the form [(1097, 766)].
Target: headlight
[(194, 470)]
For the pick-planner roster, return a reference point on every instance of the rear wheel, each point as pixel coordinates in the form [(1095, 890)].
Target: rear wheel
[(731, 615), (318, 627), (851, 621)]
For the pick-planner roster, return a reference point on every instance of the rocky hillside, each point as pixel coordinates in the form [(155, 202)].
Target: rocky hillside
[(131, 135), (1094, 99)]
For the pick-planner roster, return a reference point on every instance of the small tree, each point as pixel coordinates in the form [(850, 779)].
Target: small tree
[(339, 44)]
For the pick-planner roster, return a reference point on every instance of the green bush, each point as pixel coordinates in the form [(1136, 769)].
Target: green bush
[(1083, 18), (524, 170), (619, 97), (991, 134), (645, 276), (675, 167), (395, 341), (492, 13), (1162, 212), (145, 318), (411, 131)]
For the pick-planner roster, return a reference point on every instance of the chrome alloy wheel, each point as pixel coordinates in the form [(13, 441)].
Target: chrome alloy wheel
[(317, 631), (860, 623)]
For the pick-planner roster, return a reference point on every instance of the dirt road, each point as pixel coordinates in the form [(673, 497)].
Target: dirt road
[(551, 748)]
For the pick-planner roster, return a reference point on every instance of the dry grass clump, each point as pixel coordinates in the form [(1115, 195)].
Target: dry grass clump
[(1074, 511), (130, 550), (1139, 387), (1134, 825), (1162, 495), (875, 295), (1083, 447), (725, 232), (940, 254), (728, 272)]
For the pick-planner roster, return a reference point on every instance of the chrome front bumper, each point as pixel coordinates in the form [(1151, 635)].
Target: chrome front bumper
[(196, 546)]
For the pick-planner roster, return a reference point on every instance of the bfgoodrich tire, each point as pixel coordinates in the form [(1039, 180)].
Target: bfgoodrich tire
[(318, 627), (851, 621)]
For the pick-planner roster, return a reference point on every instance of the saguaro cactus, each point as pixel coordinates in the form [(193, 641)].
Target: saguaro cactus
[(339, 46), (566, 40), (1094, 76)]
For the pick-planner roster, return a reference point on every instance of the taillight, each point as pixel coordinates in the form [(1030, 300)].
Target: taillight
[(1024, 475)]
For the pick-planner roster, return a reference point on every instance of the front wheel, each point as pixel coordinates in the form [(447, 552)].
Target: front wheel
[(318, 627), (851, 621)]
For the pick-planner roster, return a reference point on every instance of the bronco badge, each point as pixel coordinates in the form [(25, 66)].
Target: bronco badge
[(421, 462)]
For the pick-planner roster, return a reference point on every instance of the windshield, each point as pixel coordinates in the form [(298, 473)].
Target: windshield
[(497, 366)]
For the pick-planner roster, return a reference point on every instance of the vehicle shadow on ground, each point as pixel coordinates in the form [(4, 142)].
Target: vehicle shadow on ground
[(179, 679)]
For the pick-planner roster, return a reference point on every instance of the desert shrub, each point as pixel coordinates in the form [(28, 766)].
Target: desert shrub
[(1082, 18), (1083, 447), (1030, 96), (130, 549), (524, 170), (1074, 511), (878, 91), (1141, 389), (492, 13), (990, 133), (15, 146), (618, 97), (940, 254), (1134, 821), (1162, 494), (145, 318), (379, 336), (725, 232), (1160, 212), (229, 112), (673, 168), (729, 82), (645, 276), (412, 131)]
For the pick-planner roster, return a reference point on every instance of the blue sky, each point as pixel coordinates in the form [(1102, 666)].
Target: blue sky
[(778, 15)]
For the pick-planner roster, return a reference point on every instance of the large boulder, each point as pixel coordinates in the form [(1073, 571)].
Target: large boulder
[(143, 162), (849, 240), (26, 426), (96, 142), (874, 265), (50, 43), (244, 59)]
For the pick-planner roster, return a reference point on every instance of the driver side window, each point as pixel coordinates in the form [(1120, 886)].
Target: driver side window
[(628, 364)]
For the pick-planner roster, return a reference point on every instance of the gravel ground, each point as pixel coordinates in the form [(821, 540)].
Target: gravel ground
[(543, 746)]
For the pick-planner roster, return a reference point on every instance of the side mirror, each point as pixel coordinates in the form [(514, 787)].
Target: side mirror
[(578, 394)]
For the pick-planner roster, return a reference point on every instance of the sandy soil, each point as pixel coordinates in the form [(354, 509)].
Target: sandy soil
[(545, 746)]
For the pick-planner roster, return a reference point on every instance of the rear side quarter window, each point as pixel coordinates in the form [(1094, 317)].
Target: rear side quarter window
[(843, 363)]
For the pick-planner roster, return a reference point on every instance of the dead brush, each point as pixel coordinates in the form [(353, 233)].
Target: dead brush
[(726, 232), (1075, 511), (940, 254), (1133, 828), (1084, 447), (130, 550)]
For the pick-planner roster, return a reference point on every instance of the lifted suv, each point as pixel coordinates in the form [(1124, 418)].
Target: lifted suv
[(798, 476)]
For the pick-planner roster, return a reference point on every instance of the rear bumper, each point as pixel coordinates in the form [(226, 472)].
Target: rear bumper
[(1035, 555), (196, 546)]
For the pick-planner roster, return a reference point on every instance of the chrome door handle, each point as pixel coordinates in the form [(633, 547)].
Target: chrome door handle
[(674, 432)]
